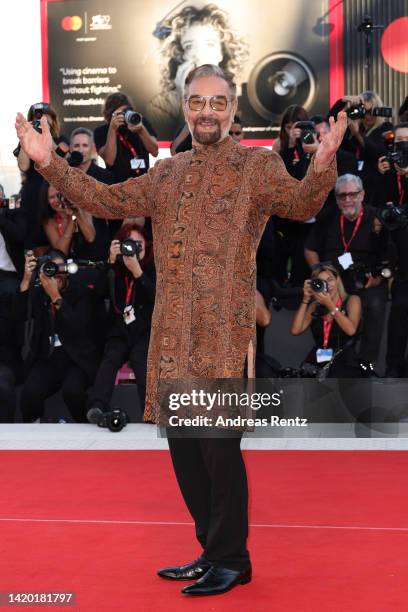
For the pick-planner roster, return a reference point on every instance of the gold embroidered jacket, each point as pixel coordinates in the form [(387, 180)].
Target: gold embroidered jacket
[(209, 207)]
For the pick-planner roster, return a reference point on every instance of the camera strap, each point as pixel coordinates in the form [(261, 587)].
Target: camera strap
[(129, 291), (328, 324), (355, 229), (401, 193), (128, 145)]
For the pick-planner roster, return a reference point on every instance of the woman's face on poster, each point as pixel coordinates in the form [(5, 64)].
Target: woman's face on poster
[(201, 45)]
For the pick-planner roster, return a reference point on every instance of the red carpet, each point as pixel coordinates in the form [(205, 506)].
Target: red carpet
[(111, 565)]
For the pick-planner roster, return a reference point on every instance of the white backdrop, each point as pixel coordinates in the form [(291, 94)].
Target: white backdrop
[(20, 62)]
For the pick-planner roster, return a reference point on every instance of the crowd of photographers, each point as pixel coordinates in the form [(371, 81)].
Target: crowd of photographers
[(77, 292)]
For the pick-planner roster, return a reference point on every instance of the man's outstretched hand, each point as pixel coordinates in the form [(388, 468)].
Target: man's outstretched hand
[(330, 142), (37, 146)]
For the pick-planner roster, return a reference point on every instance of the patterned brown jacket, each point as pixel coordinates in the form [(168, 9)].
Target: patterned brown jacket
[(209, 207)]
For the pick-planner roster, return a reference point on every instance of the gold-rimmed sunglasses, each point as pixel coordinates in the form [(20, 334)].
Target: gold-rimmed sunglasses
[(217, 103)]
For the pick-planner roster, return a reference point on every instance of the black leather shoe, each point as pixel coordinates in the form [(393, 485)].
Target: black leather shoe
[(192, 571), (218, 580)]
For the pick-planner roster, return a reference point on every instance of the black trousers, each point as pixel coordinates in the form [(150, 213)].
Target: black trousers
[(46, 377), (7, 394), (398, 329), (212, 478), (373, 302), (118, 350)]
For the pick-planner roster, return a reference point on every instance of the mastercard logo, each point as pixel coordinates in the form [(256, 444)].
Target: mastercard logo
[(71, 24)]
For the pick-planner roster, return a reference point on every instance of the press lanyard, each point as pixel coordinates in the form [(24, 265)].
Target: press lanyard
[(400, 189), (327, 325), (128, 145), (129, 291), (355, 229)]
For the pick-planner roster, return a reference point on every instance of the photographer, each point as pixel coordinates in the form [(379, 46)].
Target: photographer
[(333, 318), (364, 136), (132, 290), (296, 146), (13, 229), (125, 141), (35, 237), (396, 220), (62, 334), (352, 238), (67, 228), (394, 182), (11, 337), (82, 146)]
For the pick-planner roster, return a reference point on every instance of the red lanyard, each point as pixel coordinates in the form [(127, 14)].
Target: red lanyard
[(400, 189), (327, 325), (128, 145), (355, 229), (129, 291)]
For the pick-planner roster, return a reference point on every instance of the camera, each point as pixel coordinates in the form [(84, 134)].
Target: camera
[(10, 203), (393, 217), (38, 111), (318, 285), (130, 247), (132, 117), (75, 159), (398, 154), (114, 420), (308, 131), (359, 111), (50, 268), (359, 271)]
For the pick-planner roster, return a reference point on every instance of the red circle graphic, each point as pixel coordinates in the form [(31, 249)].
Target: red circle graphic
[(394, 44)]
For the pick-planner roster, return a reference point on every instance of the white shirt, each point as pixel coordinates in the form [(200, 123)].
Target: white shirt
[(5, 262)]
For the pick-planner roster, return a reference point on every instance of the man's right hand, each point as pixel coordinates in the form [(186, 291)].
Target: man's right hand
[(382, 165), (37, 146)]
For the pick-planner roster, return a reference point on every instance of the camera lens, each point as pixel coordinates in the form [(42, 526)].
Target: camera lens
[(318, 285), (133, 117)]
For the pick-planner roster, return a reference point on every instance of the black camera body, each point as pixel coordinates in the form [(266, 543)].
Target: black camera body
[(398, 154), (49, 268), (130, 247), (359, 271), (392, 217), (319, 285), (359, 111), (308, 131), (38, 111)]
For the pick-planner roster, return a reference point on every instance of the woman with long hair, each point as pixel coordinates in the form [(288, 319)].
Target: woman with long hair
[(32, 179), (66, 227), (333, 318), (132, 291), (292, 235), (197, 36)]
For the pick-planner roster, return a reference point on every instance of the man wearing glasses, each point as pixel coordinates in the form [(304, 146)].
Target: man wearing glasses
[(209, 207), (353, 240)]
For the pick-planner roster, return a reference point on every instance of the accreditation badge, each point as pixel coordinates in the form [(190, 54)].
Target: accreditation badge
[(129, 314), (324, 354)]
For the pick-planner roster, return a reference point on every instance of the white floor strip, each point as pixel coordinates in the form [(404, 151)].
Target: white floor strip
[(144, 436), (187, 524)]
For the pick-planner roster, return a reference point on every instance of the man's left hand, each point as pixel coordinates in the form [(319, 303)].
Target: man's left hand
[(330, 142)]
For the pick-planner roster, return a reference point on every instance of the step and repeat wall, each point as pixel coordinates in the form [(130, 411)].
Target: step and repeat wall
[(279, 56)]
